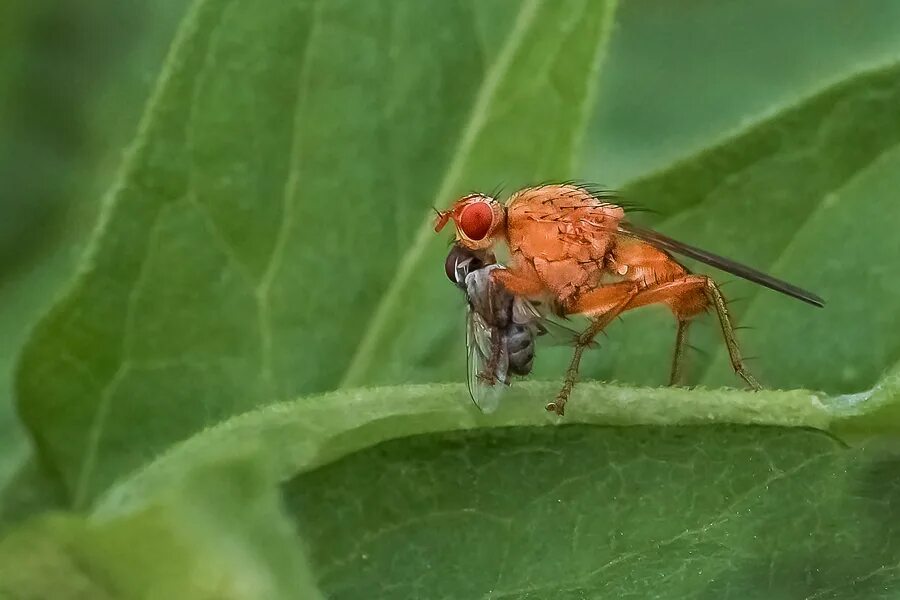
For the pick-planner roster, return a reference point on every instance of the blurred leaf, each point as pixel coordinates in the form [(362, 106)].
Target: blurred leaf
[(268, 238), (512, 509), (862, 287), (218, 534), (286, 164), (21, 301), (61, 136), (59, 60), (808, 195), (30, 489), (677, 83)]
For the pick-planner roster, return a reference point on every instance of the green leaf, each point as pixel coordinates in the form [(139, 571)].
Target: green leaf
[(218, 534), (590, 515), (268, 238), (315, 430), (30, 490), (588, 512), (807, 194), (283, 174), (389, 494), (675, 87), (386, 490), (22, 300), (56, 153)]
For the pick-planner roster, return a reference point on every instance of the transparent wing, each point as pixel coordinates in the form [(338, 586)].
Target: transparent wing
[(481, 344), (556, 334)]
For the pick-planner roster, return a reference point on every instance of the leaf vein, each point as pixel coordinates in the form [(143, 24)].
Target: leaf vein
[(288, 200), (374, 331), (103, 407)]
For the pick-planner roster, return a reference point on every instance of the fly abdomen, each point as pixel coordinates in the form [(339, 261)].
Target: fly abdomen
[(520, 348)]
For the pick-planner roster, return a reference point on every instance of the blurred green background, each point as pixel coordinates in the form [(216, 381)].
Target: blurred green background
[(74, 78), (124, 408)]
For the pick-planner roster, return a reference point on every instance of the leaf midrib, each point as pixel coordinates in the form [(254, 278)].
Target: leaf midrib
[(303, 434), (373, 332)]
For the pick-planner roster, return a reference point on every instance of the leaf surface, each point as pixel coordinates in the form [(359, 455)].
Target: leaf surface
[(57, 152), (672, 88), (711, 493), (219, 534), (806, 195), (575, 512), (282, 175), (268, 239)]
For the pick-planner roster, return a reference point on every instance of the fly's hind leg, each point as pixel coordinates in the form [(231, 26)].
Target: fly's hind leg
[(681, 295), (734, 352), (687, 297), (678, 354)]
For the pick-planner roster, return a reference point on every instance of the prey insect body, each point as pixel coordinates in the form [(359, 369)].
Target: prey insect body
[(500, 328)]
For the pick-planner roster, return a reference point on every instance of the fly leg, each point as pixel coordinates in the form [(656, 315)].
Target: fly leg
[(602, 305), (734, 352), (678, 354), (519, 281), (489, 374), (584, 341), (687, 297)]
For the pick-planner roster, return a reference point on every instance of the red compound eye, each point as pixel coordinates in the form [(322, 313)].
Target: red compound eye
[(475, 220)]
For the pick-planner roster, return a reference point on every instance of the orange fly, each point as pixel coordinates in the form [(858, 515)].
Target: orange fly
[(575, 249)]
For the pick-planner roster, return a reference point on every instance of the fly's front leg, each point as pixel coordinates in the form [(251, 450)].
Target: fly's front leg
[(602, 305), (584, 341), (489, 374), (518, 281)]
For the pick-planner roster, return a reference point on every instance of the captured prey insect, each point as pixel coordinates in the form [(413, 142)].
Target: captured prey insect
[(500, 328), (574, 247)]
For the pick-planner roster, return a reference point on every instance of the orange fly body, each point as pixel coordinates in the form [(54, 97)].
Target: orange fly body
[(575, 249)]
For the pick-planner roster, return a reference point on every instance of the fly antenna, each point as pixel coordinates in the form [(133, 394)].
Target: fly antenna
[(441, 218)]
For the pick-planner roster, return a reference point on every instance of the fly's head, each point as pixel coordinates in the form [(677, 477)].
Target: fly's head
[(479, 219)]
